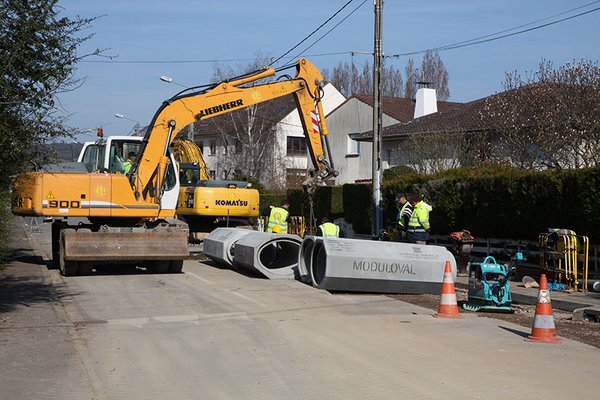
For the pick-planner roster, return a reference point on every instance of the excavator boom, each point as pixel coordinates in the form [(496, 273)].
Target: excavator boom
[(182, 110)]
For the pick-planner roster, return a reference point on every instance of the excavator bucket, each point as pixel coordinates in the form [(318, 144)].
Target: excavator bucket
[(124, 246)]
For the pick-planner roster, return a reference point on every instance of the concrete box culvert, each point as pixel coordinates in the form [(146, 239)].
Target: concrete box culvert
[(378, 267), (273, 255), (305, 258), (219, 244)]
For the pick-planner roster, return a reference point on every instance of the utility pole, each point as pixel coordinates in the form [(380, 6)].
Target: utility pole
[(377, 120)]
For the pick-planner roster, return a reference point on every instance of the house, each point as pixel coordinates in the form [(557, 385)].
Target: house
[(265, 141), (516, 127), (351, 124)]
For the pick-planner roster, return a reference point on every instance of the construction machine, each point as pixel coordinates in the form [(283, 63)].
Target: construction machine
[(131, 216), (206, 203), (489, 287), (203, 203)]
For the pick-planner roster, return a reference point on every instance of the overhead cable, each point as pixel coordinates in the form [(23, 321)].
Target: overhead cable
[(312, 33), (492, 37)]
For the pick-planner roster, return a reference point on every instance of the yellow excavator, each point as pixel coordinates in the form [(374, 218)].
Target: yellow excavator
[(206, 203), (202, 202), (130, 217)]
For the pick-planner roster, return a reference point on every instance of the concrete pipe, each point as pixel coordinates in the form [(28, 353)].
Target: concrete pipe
[(273, 255), (379, 267), (219, 244), (305, 258)]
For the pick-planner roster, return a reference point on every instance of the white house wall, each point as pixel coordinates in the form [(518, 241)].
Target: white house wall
[(354, 116), (291, 125)]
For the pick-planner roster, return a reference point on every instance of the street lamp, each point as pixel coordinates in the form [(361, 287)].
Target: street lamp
[(137, 125), (168, 79)]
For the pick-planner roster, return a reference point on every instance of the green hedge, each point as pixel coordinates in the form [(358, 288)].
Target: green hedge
[(507, 203), (358, 206), (5, 227), (495, 201)]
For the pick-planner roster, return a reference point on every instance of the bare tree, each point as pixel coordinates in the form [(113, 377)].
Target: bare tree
[(344, 77), (412, 78), (347, 78), (434, 71), (439, 150), (393, 84), (550, 118), (245, 138)]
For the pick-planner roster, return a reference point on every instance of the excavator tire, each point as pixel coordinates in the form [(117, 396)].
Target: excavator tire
[(159, 266), (57, 226), (86, 268), (175, 266), (67, 267)]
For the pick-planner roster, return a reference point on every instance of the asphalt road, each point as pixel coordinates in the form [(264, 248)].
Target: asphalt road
[(213, 333)]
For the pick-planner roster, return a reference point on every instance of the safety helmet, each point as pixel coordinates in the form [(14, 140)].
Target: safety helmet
[(276, 229)]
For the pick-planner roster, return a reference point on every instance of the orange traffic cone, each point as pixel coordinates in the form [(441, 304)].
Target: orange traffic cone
[(543, 322), (448, 307)]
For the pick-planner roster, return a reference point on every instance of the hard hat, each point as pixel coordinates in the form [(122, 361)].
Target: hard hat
[(276, 229)]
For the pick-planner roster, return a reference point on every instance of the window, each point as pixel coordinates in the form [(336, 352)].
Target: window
[(90, 158), (201, 146), (353, 147), (169, 180), (238, 146), (294, 177), (189, 175), (119, 153), (212, 174), (296, 146), (225, 146), (212, 148)]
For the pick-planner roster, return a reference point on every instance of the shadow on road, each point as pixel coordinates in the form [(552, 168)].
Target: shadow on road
[(25, 256), (515, 331), (23, 282), (22, 290)]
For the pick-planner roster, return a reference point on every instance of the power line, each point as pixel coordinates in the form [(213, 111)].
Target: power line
[(470, 42), (313, 32), (201, 61), (488, 38), (329, 31)]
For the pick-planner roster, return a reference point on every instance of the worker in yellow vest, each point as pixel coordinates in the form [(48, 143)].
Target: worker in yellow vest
[(328, 229), (418, 224), (129, 162), (278, 216), (404, 213)]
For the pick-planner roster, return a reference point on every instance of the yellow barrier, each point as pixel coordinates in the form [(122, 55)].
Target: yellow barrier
[(567, 255), (297, 226)]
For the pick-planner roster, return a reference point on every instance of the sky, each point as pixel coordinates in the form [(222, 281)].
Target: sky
[(186, 39)]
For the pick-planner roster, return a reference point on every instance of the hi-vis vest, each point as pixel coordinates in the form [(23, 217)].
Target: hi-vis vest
[(278, 216), (330, 230), (419, 220)]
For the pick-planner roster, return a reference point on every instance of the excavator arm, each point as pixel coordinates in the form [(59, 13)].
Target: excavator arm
[(228, 96)]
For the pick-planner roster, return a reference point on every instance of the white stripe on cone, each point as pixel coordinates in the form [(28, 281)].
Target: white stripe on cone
[(543, 321), (448, 299)]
